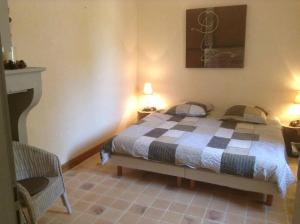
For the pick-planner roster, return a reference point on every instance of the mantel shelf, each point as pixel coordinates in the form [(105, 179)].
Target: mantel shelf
[(24, 70), (24, 88)]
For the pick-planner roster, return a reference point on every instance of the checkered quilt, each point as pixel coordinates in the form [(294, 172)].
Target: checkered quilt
[(242, 149)]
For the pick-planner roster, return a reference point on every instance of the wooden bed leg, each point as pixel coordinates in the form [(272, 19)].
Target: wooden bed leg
[(269, 200), (178, 181), (119, 171), (192, 184)]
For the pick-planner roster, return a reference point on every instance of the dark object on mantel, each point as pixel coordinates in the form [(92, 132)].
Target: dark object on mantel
[(10, 65), (34, 185)]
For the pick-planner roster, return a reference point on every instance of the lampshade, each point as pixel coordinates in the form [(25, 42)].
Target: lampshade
[(148, 89), (297, 98)]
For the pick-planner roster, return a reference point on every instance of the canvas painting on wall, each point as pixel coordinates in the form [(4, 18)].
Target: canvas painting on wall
[(215, 37)]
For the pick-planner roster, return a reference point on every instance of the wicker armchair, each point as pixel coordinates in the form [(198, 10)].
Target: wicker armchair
[(33, 162)]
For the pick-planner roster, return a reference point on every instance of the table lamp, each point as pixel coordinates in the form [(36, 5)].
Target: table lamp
[(148, 96), (296, 123)]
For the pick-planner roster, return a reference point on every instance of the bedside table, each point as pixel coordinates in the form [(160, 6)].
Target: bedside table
[(291, 135), (142, 113)]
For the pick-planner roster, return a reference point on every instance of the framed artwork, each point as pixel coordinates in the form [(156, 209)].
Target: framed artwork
[(215, 37)]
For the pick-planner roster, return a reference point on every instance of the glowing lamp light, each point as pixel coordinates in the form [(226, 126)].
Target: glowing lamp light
[(148, 99), (148, 89), (297, 98), (293, 111)]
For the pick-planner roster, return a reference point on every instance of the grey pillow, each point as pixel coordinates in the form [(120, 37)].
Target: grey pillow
[(191, 109), (207, 106), (246, 114)]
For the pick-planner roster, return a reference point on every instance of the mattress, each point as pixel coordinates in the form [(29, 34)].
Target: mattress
[(241, 149)]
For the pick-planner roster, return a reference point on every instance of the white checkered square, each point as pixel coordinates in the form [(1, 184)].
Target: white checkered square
[(240, 144), (167, 139), (174, 133), (196, 110), (211, 158), (141, 146), (190, 119), (168, 124), (194, 140), (152, 124), (206, 130), (224, 133), (237, 151)]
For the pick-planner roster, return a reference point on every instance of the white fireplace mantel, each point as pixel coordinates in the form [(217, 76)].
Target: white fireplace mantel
[(24, 88)]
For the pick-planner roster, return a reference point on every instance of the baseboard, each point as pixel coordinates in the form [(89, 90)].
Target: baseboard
[(80, 158)]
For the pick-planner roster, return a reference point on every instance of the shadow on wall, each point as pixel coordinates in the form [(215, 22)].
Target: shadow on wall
[(112, 67), (90, 83)]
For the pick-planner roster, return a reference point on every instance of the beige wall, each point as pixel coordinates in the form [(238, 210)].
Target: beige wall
[(89, 50), (272, 60), (4, 26)]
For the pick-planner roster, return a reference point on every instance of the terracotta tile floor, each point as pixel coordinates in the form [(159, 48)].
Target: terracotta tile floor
[(98, 196)]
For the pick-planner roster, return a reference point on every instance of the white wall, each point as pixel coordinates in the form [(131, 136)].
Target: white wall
[(89, 50), (272, 55)]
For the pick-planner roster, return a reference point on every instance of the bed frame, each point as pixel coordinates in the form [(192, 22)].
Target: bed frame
[(203, 175)]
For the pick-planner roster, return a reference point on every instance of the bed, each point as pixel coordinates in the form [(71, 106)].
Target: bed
[(239, 155)]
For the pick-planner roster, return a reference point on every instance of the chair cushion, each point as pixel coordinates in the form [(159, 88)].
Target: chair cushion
[(34, 185)]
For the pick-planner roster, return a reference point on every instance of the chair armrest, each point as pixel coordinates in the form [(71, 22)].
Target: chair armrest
[(34, 162), (26, 201)]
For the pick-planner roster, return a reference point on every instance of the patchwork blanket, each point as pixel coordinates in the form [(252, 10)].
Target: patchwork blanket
[(242, 149)]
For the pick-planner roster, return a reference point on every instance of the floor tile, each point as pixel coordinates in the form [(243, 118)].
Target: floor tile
[(154, 213), (120, 204), (87, 186), (81, 205), (129, 218), (145, 220), (214, 215), (96, 209), (195, 211), (160, 203), (85, 219), (191, 220), (233, 218), (178, 207), (137, 209), (172, 217), (106, 200), (111, 214)]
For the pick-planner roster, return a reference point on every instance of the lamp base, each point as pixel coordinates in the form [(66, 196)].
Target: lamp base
[(295, 123), (149, 109)]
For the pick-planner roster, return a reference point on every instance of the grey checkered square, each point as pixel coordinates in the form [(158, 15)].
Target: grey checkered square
[(240, 165), (162, 151), (176, 118), (229, 124), (156, 132), (187, 128), (245, 136), (218, 142), (237, 110)]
